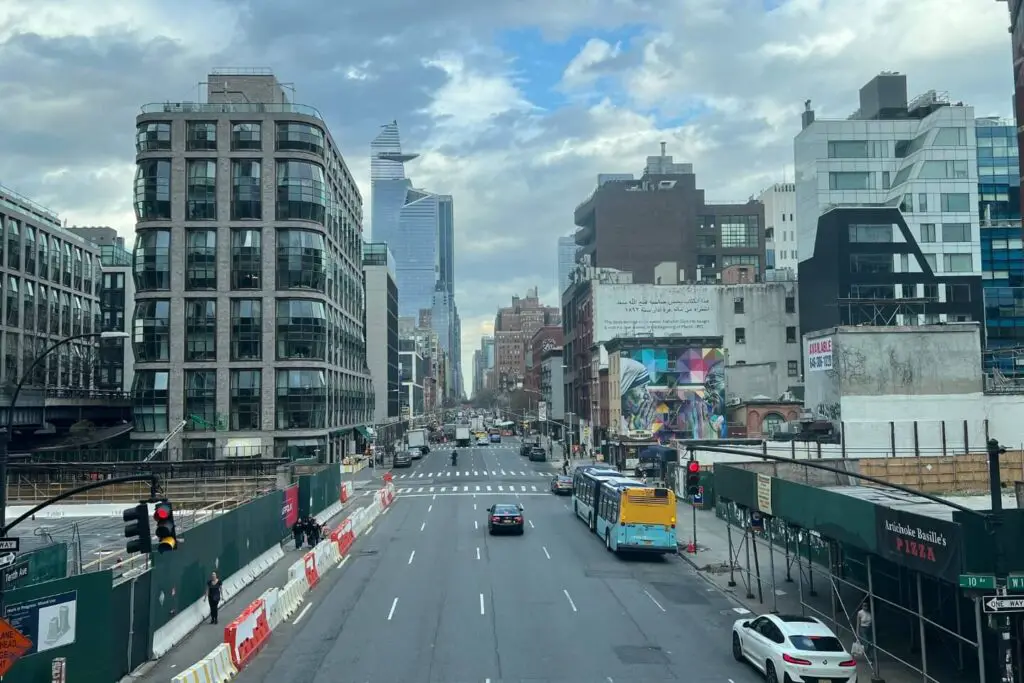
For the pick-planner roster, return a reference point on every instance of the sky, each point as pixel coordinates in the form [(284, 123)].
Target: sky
[(514, 105)]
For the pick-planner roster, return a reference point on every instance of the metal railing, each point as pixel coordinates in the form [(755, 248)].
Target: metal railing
[(231, 108), (81, 394)]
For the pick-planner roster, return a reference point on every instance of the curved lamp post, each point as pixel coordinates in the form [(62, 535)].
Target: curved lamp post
[(5, 436)]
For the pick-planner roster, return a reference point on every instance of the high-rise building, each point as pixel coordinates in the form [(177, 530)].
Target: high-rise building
[(248, 322), (382, 329), (1017, 38), (483, 367), (446, 242), (514, 327), (780, 226), (635, 225), (567, 251)]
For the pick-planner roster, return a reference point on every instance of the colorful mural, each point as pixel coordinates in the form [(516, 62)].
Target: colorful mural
[(673, 393)]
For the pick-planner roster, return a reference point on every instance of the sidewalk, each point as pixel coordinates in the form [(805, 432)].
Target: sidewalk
[(779, 591), (200, 642)]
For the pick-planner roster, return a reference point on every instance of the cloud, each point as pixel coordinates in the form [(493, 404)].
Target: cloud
[(721, 81)]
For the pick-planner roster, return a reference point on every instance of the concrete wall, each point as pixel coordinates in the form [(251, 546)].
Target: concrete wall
[(376, 278)]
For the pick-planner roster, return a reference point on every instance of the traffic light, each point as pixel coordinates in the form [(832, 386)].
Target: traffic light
[(163, 514), (136, 529), (693, 478)]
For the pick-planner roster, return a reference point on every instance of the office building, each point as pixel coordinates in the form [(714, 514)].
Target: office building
[(115, 360), (634, 225), (483, 366), (382, 330), (414, 373), (514, 327), (1017, 38), (780, 227), (567, 250), (914, 155), (248, 322)]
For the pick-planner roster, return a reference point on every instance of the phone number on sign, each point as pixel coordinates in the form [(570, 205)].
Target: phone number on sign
[(820, 362)]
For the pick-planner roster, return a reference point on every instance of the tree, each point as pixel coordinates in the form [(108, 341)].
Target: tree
[(485, 399), (520, 402)]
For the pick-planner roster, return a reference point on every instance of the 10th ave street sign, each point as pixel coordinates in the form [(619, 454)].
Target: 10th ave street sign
[(998, 604)]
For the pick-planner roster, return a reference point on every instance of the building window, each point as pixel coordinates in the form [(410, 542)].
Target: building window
[(201, 190), (301, 191), (957, 263), (301, 399), (199, 449), (201, 136), (793, 368), (741, 335), (928, 233), (246, 259), (939, 170), (301, 137), (868, 234), (739, 231), (153, 137), (951, 137), (201, 259), (301, 329), (955, 201), (737, 305), (932, 262), (13, 244), (922, 201), (200, 329), (707, 241), (151, 336), (871, 263), (246, 400), (149, 400), (152, 268), (956, 232), (246, 329), (851, 180), (201, 400), (903, 175), (790, 304), (153, 190), (791, 335), (858, 149), (771, 423), (246, 137), (246, 190), (301, 260)]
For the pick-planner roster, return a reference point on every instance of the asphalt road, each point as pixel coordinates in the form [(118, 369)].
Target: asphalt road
[(429, 596)]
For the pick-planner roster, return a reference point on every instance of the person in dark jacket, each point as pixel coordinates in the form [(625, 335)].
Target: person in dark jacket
[(298, 531), (213, 596)]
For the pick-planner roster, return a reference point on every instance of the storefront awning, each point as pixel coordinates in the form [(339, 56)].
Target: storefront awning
[(365, 432)]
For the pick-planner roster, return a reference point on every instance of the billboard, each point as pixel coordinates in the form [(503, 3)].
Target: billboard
[(655, 311), (673, 393), (290, 509), (819, 354)]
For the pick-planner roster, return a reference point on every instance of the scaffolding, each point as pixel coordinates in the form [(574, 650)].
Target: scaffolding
[(881, 312)]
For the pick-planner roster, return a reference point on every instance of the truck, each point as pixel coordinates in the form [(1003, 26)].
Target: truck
[(476, 423), (416, 438), (463, 439)]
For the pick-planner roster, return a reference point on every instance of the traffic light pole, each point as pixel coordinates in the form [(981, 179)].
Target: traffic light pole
[(1007, 666)]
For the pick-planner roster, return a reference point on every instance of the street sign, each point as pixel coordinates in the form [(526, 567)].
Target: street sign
[(10, 545), (12, 646), (997, 604), (1015, 582), (7, 560), (977, 582)]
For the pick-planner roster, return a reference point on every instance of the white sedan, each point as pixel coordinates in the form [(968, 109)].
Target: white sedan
[(792, 649)]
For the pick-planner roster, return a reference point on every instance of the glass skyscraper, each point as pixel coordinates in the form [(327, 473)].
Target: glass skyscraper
[(567, 249)]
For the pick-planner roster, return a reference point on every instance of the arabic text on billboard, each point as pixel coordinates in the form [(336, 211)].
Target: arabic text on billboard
[(654, 310), (819, 354)]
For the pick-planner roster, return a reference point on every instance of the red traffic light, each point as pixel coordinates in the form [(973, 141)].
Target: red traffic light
[(162, 514), (693, 467)]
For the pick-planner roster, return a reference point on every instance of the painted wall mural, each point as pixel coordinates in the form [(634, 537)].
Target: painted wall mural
[(673, 393)]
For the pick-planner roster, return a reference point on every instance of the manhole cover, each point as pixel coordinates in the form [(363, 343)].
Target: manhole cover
[(680, 595), (640, 654)]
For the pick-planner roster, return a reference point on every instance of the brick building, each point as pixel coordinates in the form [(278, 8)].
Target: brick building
[(514, 327)]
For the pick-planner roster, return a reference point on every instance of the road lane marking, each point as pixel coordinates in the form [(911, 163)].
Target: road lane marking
[(474, 506), (423, 526), (567, 597), (654, 601), (531, 524), (343, 561), (481, 603), (368, 529), (302, 613), (478, 553), (429, 508), (412, 556), (546, 553), (476, 525), (394, 604)]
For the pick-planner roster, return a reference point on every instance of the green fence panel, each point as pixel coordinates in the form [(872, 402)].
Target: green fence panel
[(49, 563), (130, 623), (736, 484), (48, 613), (223, 544), (330, 488), (305, 495), (980, 544), (842, 518)]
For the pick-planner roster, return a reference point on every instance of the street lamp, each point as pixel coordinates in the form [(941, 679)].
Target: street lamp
[(5, 436)]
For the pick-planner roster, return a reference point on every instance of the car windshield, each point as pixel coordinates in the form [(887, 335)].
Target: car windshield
[(562, 479), (817, 643), (505, 510)]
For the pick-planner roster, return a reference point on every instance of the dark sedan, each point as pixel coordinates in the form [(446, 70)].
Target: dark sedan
[(561, 485), (505, 517), (403, 459)]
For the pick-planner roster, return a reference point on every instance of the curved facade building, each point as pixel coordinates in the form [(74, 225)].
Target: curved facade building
[(248, 318)]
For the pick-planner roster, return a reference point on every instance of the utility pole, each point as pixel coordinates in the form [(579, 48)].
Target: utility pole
[(1007, 669)]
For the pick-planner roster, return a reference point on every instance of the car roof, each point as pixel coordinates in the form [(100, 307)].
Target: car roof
[(797, 625), (506, 505)]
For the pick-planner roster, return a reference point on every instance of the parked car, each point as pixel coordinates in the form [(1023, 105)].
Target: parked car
[(791, 647), (403, 459)]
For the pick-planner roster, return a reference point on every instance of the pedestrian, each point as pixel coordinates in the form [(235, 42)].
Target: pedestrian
[(565, 467), (213, 596), (864, 621), (297, 532)]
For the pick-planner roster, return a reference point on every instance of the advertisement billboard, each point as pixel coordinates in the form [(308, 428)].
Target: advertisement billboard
[(673, 393), (290, 509), (655, 311), (819, 354)]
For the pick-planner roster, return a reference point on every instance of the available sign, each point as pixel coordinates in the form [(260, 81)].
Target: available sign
[(819, 354), (923, 543)]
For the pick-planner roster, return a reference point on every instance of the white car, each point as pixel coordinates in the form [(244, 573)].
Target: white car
[(792, 649), (482, 441)]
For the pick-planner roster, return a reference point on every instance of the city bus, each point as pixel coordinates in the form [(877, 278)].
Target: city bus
[(586, 482), (635, 517)]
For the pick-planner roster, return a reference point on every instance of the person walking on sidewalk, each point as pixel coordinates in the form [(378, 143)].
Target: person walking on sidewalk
[(864, 621), (213, 596), (298, 531)]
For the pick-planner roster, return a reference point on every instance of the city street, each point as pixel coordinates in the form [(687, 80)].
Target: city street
[(427, 595)]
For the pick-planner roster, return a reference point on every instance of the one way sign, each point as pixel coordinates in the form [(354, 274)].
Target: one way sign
[(995, 604)]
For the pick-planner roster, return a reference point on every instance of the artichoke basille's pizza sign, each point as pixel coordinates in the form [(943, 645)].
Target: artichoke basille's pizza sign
[(927, 544)]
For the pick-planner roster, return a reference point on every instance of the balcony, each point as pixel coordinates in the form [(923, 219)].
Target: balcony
[(231, 108)]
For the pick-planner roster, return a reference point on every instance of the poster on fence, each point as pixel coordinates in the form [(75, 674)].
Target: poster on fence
[(290, 509)]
